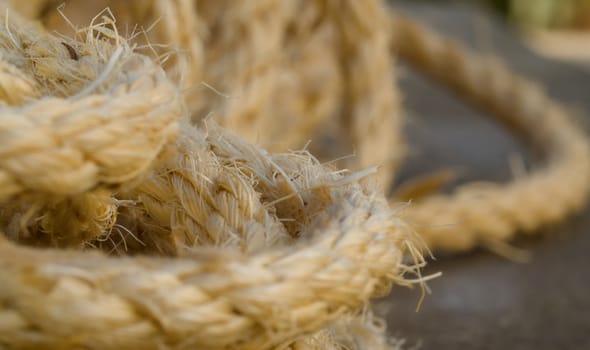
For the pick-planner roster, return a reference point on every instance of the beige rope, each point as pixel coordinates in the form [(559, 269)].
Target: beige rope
[(477, 213), (208, 188), (273, 63), (57, 152), (355, 38), (270, 249), (215, 299)]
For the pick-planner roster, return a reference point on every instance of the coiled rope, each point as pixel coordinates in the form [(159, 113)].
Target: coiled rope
[(98, 151)]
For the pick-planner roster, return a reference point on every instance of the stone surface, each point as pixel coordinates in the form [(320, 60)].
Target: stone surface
[(484, 301)]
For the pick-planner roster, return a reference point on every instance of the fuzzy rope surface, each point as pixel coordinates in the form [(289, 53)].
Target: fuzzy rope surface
[(357, 39), (272, 66), (215, 299), (272, 249), (257, 249)]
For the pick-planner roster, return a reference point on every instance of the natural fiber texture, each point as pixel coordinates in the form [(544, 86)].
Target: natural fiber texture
[(271, 249), (103, 148), (260, 66), (65, 128), (363, 109)]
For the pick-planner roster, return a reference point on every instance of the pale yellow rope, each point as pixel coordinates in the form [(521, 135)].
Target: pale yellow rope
[(272, 249), (58, 153), (215, 299), (478, 214), (281, 73)]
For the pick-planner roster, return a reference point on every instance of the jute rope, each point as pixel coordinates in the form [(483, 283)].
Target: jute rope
[(488, 213), (259, 66), (103, 148)]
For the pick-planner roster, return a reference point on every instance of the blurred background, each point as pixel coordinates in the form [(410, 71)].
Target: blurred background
[(574, 14), (484, 300), (555, 28)]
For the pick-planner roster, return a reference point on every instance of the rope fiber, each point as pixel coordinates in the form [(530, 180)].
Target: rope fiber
[(150, 196)]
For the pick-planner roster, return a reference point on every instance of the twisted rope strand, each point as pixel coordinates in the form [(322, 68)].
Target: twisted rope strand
[(475, 214), (53, 146), (211, 300)]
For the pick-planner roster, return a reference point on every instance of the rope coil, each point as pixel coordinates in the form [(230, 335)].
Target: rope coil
[(252, 249), (495, 212)]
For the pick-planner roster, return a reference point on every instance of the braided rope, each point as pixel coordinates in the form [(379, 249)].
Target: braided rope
[(191, 198), (76, 144), (274, 62), (271, 249), (57, 154), (213, 299), (476, 213)]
